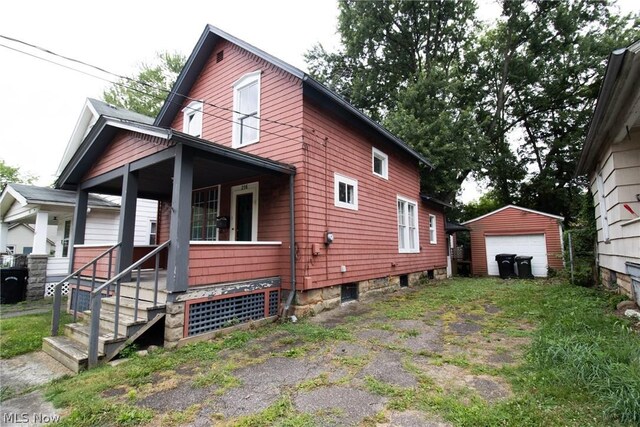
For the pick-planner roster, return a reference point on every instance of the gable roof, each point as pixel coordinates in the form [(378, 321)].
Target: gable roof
[(31, 194), (92, 110), (203, 50), (618, 106), (559, 218)]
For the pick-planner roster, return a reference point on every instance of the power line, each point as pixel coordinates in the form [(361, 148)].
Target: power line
[(86, 64), (135, 89)]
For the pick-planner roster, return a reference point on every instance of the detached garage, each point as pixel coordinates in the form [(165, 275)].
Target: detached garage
[(516, 230)]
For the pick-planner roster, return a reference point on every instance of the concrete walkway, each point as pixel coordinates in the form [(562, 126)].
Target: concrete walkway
[(18, 376)]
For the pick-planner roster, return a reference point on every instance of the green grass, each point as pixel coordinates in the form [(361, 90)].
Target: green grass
[(23, 334), (581, 368)]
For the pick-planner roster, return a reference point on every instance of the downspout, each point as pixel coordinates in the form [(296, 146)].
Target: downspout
[(292, 248)]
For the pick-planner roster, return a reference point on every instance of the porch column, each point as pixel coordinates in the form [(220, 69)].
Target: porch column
[(180, 224), (40, 235), (127, 226), (79, 224), (4, 236)]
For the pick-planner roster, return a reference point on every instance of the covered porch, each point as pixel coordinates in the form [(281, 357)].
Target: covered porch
[(228, 215)]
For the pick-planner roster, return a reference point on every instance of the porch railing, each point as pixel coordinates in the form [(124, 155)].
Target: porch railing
[(96, 299), (57, 290)]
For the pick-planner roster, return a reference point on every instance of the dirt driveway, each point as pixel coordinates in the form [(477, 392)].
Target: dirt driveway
[(361, 364)]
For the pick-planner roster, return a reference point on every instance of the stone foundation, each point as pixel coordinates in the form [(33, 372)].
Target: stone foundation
[(616, 281), (173, 324), (314, 301), (37, 265)]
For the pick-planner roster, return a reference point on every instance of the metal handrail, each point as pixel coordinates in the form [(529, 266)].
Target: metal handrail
[(96, 299), (57, 294)]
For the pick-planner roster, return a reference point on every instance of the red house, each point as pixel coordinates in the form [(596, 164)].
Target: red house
[(276, 196), (515, 230)]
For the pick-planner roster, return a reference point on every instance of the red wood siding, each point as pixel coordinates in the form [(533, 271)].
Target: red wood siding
[(366, 240), (83, 255), (219, 263), (512, 221), (125, 147), (280, 101)]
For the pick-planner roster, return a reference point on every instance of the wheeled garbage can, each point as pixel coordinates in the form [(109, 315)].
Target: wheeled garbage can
[(13, 285), (523, 263), (505, 265)]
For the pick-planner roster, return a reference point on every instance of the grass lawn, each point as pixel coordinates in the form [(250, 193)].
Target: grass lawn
[(23, 334), (472, 352)]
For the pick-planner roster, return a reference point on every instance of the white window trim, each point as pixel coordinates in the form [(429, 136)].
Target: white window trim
[(337, 179), (417, 231), (243, 81), (433, 241), (151, 233), (194, 108), (219, 188), (604, 218), (385, 163), (244, 189)]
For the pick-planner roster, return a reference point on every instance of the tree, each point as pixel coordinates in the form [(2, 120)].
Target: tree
[(11, 174), (402, 63), (145, 92), (544, 62)]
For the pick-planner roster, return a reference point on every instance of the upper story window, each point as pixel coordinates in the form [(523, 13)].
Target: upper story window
[(433, 237), (345, 192), (408, 241), (246, 110), (380, 163), (192, 121)]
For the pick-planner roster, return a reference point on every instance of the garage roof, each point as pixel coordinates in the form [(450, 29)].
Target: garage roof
[(559, 218)]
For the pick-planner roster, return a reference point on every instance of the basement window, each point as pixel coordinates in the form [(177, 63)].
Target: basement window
[(348, 292)]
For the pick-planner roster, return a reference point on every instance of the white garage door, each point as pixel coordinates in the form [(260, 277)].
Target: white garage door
[(527, 244)]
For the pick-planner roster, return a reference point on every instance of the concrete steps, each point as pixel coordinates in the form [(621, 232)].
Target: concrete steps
[(71, 349)]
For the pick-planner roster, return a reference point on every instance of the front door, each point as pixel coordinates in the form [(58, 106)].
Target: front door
[(244, 217), (244, 212)]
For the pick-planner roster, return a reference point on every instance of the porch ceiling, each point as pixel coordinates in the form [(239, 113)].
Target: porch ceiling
[(156, 181)]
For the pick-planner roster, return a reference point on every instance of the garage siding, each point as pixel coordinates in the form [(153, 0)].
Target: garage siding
[(513, 221)]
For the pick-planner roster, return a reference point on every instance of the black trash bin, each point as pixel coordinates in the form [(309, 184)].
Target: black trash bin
[(13, 285), (524, 267), (505, 265)]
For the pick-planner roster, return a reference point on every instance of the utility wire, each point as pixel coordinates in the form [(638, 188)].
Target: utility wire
[(86, 64), (147, 85)]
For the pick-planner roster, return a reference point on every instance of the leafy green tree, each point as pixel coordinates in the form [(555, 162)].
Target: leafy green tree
[(402, 63), (145, 92), (11, 174)]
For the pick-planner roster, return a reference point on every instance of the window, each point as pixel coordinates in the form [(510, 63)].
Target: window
[(192, 122), (153, 233), (380, 163), (604, 219), (407, 226), (345, 192), (204, 211), (11, 249), (65, 239), (433, 237), (246, 110)]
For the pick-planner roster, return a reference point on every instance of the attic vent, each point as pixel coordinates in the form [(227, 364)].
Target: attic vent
[(219, 56)]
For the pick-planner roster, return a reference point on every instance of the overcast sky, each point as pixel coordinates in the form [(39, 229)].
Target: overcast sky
[(40, 102)]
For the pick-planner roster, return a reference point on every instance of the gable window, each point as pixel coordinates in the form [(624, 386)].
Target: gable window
[(604, 219), (192, 121), (408, 226), (345, 192), (433, 237), (246, 110), (204, 211), (380, 163)]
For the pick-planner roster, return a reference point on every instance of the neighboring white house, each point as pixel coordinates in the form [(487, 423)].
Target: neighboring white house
[(20, 239), (611, 160)]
